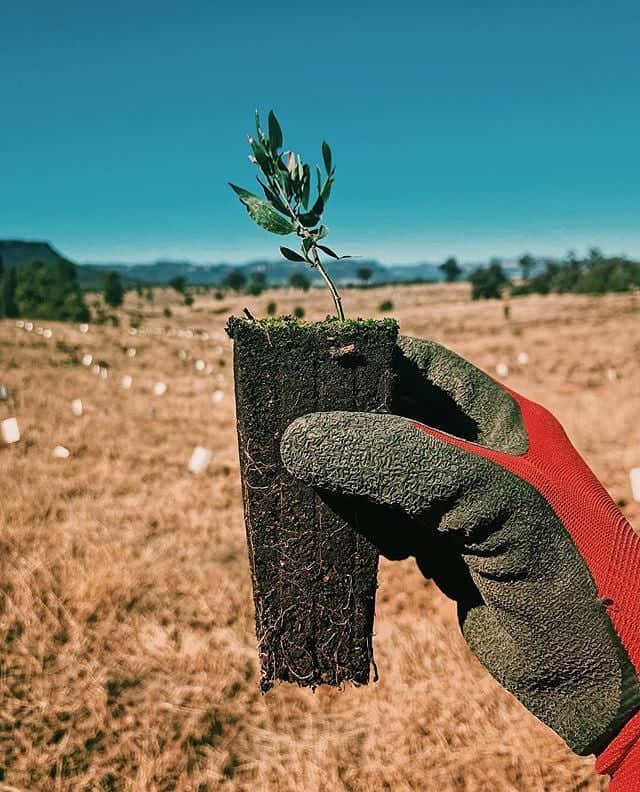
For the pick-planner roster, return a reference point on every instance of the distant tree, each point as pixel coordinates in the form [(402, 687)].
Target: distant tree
[(188, 300), (113, 291), (179, 283), (272, 308), (298, 312), (166, 312), (298, 280), (385, 306), (50, 291), (149, 294), (488, 282), (364, 273), (235, 279), (451, 269), (596, 274), (8, 305), (259, 277), (139, 289), (257, 282), (527, 264)]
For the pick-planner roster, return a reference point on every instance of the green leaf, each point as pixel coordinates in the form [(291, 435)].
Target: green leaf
[(326, 156), (321, 233), (307, 243), (318, 207), (261, 155), (319, 179), (267, 217), (306, 185), (275, 132), (328, 251), (242, 192), (326, 190), (272, 197), (309, 219), (291, 255), (257, 123), (284, 180)]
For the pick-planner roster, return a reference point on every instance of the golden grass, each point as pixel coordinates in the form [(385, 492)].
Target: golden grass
[(128, 657)]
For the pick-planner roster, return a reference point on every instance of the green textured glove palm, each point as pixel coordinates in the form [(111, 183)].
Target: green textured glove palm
[(527, 602)]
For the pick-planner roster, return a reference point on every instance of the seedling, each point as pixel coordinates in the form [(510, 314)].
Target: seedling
[(313, 570), (287, 189)]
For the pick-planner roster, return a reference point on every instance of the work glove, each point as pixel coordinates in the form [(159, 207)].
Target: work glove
[(484, 488)]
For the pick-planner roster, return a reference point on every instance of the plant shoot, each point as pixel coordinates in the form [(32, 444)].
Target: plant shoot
[(287, 187)]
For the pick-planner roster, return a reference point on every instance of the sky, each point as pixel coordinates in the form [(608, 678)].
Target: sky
[(460, 128)]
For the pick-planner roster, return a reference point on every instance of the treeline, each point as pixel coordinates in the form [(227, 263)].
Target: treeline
[(593, 274), (42, 291), (256, 282)]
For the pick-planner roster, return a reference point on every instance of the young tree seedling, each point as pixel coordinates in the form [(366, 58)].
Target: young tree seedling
[(287, 189)]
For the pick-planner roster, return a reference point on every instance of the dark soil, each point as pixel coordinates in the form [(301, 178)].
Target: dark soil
[(314, 575)]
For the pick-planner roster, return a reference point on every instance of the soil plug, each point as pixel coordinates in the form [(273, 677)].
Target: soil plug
[(313, 572)]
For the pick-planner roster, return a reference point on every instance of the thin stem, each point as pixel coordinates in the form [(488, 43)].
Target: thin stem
[(329, 282), (304, 232)]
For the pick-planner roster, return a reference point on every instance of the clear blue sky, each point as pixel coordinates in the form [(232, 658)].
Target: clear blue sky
[(462, 128)]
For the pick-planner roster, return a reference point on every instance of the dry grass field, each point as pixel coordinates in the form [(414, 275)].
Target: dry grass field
[(128, 658)]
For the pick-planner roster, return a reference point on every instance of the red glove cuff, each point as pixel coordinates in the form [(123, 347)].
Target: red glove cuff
[(621, 758)]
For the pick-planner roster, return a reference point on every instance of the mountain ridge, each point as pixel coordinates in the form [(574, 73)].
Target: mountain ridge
[(17, 253)]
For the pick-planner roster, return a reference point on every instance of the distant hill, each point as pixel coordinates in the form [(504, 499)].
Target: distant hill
[(16, 253), (277, 272)]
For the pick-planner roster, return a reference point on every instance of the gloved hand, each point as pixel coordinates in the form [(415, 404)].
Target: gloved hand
[(485, 489)]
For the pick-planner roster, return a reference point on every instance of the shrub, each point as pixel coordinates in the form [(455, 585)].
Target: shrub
[(179, 283), (236, 280), (451, 270), (167, 313), (298, 280), (272, 308), (488, 282), (298, 312), (386, 305), (113, 290), (49, 291)]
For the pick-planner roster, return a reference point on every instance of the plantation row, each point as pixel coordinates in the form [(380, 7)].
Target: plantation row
[(595, 274)]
